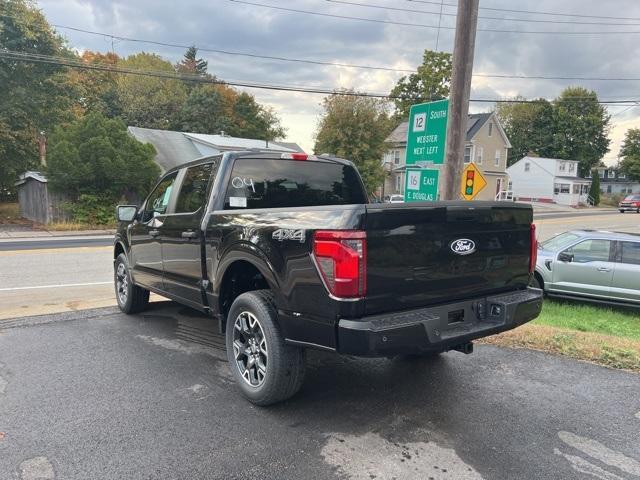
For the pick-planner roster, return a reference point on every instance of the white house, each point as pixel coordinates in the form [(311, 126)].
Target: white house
[(548, 180)]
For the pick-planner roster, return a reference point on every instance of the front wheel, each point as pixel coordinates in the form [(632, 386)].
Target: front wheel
[(266, 369), (621, 211), (130, 297)]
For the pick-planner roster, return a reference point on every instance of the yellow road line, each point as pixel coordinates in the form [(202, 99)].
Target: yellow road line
[(40, 251)]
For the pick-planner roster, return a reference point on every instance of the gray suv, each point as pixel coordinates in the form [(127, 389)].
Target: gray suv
[(598, 266)]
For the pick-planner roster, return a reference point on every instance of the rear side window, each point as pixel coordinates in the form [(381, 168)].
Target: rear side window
[(630, 253), (278, 183), (194, 189)]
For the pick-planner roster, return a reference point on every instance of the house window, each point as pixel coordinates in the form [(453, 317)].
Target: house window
[(622, 176), (479, 156), (398, 183), (496, 161), (563, 166), (608, 188), (601, 173), (490, 128), (576, 189), (396, 157), (467, 154), (572, 167), (610, 174), (527, 166), (588, 174), (561, 188)]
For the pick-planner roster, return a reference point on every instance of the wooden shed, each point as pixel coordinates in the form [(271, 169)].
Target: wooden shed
[(36, 202)]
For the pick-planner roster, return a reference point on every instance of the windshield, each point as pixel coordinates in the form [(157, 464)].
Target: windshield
[(632, 197), (559, 241)]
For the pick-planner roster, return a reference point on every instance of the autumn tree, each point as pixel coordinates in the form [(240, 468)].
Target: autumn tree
[(430, 82), (96, 90), (191, 64), (149, 101), (34, 96), (630, 154), (355, 128)]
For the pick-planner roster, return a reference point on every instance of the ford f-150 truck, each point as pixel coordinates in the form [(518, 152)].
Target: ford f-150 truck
[(286, 253)]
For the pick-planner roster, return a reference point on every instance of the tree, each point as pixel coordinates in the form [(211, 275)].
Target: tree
[(594, 191), (34, 96), (431, 81), (192, 64), (96, 156), (355, 128), (252, 120), (529, 127), (630, 154), (96, 91), (146, 101), (581, 127)]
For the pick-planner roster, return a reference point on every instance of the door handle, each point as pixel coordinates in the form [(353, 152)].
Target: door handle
[(154, 233), (189, 234), (604, 269)]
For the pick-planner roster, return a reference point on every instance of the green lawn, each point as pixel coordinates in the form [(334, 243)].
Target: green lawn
[(590, 318)]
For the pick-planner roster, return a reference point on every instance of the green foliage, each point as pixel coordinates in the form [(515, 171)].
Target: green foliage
[(574, 127), (355, 128), (215, 108), (149, 102), (529, 127), (33, 96), (96, 156), (191, 63), (94, 90), (93, 210), (581, 127), (594, 191), (431, 81), (630, 154)]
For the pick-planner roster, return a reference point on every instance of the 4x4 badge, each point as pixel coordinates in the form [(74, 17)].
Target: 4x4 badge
[(463, 246)]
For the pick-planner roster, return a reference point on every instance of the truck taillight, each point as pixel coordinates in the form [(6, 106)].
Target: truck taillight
[(341, 257), (533, 254)]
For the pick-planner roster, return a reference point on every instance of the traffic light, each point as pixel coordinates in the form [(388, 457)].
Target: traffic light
[(468, 189)]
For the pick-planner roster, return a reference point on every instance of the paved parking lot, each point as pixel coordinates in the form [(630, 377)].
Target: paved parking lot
[(97, 394)]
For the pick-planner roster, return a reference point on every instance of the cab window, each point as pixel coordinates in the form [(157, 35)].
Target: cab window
[(194, 189), (630, 253), (158, 201), (590, 251)]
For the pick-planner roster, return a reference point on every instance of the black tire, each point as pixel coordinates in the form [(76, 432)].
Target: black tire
[(131, 298), (277, 371), (621, 211)]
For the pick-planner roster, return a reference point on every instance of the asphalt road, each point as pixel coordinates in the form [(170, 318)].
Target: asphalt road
[(99, 395)]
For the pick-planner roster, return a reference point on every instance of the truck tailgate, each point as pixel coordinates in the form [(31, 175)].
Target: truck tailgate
[(415, 259)]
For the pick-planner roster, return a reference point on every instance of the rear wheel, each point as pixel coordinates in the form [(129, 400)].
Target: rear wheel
[(621, 211), (536, 282), (130, 297), (266, 369)]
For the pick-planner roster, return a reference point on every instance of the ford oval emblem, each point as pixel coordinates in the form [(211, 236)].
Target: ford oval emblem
[(463, 246)]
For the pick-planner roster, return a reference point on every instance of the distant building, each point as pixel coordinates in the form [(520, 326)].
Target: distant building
[(175, 148), (486, 145), (614, 182), (548, 180)]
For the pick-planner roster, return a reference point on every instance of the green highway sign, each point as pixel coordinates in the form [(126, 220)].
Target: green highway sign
[(421, 185), (427, 133)]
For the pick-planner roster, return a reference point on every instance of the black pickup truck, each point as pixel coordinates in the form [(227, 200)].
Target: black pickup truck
[(286, 253)]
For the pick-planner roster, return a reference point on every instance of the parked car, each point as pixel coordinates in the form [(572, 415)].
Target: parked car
[(395, 199), (631, 203), (285, 253), (592, 265)]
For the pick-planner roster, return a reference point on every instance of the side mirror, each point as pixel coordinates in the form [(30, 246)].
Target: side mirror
[(565, 257), (126, 213)]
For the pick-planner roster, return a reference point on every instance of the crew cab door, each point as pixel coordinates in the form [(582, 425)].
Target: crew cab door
[(145, 235), (587, 270), (182, 236), (626, 276)]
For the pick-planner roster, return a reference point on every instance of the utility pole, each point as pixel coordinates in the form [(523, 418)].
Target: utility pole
[(465, 40)]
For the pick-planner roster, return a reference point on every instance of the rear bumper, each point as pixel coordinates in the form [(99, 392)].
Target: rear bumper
[(439, 328)]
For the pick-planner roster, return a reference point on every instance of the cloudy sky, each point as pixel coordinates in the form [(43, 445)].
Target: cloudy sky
[(240, 27)]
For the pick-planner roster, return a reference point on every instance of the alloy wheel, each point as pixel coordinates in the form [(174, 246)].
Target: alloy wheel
[(250, 349), (122, 283)]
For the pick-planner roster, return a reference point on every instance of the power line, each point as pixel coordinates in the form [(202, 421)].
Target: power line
[(525, 20), (71, 63), (422, 25), (532, 12), (333, 64)]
